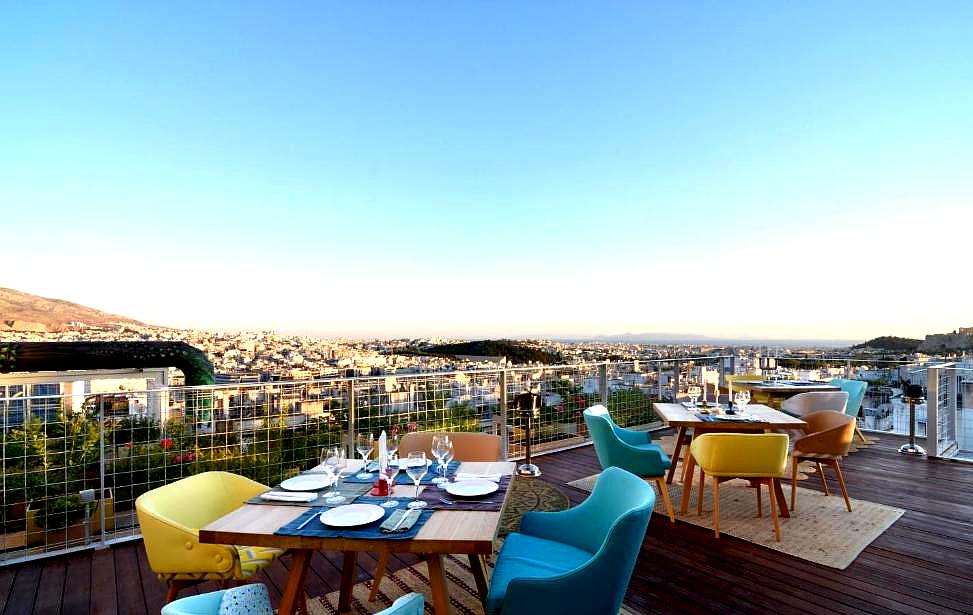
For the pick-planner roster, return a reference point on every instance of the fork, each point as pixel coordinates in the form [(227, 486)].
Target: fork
[(449, 501)]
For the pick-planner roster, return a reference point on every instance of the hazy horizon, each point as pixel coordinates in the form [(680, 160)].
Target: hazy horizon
[(494, 169)]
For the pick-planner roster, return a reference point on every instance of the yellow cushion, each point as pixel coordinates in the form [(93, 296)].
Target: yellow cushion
[(252, 559), (741, 454)]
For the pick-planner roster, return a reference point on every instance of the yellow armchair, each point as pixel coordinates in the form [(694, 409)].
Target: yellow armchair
[(170, 518), (760, 458)]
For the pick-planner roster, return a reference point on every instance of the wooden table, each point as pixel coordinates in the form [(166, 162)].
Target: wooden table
[(446, 532), (677, 415)]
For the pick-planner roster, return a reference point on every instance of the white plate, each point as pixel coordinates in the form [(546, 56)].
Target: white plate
[(351, 515), (472, 488), (307, 482)]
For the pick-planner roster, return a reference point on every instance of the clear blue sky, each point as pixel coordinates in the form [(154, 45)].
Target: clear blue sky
[(419, 168)]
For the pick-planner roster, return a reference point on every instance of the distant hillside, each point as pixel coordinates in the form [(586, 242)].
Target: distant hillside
[(890, 342), (21, 311), (514, 351)]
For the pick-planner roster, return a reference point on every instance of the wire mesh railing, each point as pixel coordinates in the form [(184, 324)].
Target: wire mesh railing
[(73, 465)]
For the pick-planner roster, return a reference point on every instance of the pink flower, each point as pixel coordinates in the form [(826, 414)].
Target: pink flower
[(413, 427), (166, 443), (395, 430)]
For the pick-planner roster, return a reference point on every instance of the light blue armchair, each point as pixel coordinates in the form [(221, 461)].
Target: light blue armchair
[(578, 561), (629, 450), (259, 602), (856, 395)]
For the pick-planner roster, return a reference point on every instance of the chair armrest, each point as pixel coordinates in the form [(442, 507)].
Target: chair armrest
[(640, 461), (629, 436)]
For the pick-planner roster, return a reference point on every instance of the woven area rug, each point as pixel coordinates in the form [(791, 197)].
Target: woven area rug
[(462, 591), (821, 530)]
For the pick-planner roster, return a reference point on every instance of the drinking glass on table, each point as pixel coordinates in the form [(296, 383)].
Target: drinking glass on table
[(741, 399), (439, 444), (387, 476), (364, 442), (444, 462), (416, 469), (336, 461), (693, 393), (391, 446)]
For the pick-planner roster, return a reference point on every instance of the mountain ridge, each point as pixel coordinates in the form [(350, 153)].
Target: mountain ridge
[(20, 311)]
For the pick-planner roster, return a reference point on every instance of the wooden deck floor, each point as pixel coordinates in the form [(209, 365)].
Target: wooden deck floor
[(922, 564)]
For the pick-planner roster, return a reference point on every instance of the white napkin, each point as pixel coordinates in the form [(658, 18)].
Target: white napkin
[(289, 496), (383, 454), (470, 476)]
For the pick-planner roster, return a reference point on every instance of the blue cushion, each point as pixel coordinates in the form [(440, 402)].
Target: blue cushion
[(529, 557)]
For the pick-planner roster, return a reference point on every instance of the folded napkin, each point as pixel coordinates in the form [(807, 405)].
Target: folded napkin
[(289, 496), (401, 520), (470, 476)]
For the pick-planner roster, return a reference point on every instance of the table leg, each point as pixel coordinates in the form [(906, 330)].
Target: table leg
[(782, 508), (293, 595), (687, 483), (437, 582), (348, 568), (675, 455), (479, 576)]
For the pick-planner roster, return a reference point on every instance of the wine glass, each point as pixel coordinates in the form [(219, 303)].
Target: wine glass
[(439, 443), (741, 399), (416, 469), (446, 458), (387, 476), (693, 392), (335, 461), (391, 446), (364, 442)]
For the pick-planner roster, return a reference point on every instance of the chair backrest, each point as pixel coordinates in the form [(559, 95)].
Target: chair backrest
[(815, 401), (169, 517), (467, 445), (602, 430), (409, 604), (827, 433), (741, 454), (856, 393)]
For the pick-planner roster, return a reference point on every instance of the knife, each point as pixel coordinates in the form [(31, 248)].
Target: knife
[(308, 520)]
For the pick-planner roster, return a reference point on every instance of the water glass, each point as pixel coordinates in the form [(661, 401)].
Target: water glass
[(335, 462), (741, 399), (444, 463), (439, 446), (693, 393), (416, 469), (388, 477), (364, 442)]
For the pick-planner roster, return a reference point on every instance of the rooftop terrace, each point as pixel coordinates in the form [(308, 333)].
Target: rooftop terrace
[(922, 564)]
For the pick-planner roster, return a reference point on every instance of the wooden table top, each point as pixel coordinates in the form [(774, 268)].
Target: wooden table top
[(446, 531), (678, 415)]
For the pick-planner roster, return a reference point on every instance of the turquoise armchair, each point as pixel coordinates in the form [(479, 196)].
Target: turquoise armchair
[(209, 604), (856, 395), (629, 450), (578, 561)]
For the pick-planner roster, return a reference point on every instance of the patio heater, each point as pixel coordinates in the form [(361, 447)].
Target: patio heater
[(913, 393), (529, 406)]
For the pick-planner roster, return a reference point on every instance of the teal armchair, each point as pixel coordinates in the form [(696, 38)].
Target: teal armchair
[(258, 603), (630, 450), (578, 561), (856, 395)]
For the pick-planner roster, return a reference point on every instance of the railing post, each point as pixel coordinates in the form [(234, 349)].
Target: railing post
[(932, 411), (722, 376), (502, 427), (101, 468), (848, 368), (658, 377), (675, 380), (350, 438), (603, 382)]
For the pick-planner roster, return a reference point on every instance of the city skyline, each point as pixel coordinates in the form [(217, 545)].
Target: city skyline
[(494, 170)]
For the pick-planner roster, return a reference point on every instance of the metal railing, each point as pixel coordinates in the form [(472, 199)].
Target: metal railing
[(73, 464)]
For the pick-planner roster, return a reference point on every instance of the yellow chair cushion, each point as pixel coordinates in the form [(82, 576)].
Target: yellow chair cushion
[(741, 454)]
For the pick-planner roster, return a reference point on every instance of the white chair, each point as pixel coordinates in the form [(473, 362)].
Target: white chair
[(815, 401)]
